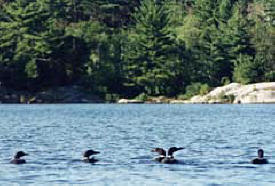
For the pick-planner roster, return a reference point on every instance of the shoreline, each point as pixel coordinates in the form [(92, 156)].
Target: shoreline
[(234, 93), (144, 103)]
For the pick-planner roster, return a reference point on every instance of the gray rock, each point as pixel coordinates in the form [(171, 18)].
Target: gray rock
[(237, 93)]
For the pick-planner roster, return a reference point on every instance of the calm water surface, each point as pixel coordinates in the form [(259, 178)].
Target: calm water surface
[(220, 140)]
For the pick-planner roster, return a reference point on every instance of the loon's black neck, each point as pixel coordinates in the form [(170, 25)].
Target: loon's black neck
[(17, 157)]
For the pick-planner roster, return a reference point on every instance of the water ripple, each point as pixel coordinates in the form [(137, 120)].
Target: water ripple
[(219, 141)]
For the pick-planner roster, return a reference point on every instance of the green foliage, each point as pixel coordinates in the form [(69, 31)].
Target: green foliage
[(31, 69), (270, 76), (263, 33), (204, 89), (221, 95), (195, 89), (226, 98), (151, 59), (139, 47), (246, 69), (24, 40), (209, 40), (239, 38), (111, 97), (230, 98), (225, 81), (142, 97)]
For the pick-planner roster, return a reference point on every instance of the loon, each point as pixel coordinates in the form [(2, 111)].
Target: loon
[(260, 159), (16, 159), (161, 152), (166, 159), (87, 154)]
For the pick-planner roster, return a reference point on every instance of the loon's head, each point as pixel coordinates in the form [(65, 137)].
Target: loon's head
[(20, 154), (260, 159), (260, 153), (89, 153)]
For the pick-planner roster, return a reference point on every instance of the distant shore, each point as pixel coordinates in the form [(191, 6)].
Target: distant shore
[(234, 93), (237, 93), (66, 94)]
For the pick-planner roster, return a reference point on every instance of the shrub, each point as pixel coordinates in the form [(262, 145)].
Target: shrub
[(221, 95), (230, 98), (270, 76), (248, 70), (183, 97), (225, 81), (226, 98), (142, 97), (204, 89), (195, 89), (111, 97)]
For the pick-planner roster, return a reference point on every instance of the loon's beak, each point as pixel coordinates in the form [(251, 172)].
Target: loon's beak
[(96, 152)]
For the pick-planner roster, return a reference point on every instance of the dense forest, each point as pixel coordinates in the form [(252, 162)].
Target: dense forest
[(129, 48)]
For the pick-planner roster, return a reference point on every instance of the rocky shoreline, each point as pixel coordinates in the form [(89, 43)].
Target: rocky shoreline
[(66, 94), (237, 93), (232, 93)]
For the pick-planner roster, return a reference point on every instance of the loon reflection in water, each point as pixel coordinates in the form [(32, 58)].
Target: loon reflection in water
[(16, 159), (87, 154), (166, 159), (260, 159)]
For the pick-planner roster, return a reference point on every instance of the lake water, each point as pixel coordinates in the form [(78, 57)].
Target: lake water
[(220, 140)]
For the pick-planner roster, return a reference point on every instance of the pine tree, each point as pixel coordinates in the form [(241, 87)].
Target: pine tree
[(210, 50), (248, 70), (242, 51), (263, 33), (238, 33), (22, 40), (151, 61)]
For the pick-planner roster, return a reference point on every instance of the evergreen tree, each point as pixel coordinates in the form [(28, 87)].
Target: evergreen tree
[(151, 59), (210, 51), (23, 42), (238, 34), (242, 51), (153, 47), (263, 33), (247, 70)]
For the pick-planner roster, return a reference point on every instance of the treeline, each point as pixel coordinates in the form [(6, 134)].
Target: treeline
[(128, 48)]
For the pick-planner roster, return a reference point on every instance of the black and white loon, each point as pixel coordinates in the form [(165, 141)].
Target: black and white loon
[(260, 159), (16, 159), (166, 159), (87, 154)]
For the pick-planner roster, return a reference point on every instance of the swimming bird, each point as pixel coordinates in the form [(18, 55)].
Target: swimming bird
[(166, 159), (87, 154), (260, 159), (161, 152), (16, 159)]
